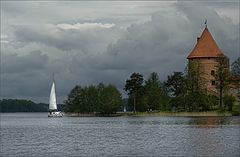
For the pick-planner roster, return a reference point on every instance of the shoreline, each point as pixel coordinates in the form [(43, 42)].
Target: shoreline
[(153, 114)]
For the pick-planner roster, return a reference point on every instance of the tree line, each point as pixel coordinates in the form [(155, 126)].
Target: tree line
[(177, 93), (17, 105), (22, 105), (182, 91), (104, 99)]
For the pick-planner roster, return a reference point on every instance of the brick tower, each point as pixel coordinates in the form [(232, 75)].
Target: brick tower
[(205, 55)]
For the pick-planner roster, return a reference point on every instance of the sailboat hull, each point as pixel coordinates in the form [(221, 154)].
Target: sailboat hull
[(55, 114)]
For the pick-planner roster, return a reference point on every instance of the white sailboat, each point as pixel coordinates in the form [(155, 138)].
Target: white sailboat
[(53, 112)]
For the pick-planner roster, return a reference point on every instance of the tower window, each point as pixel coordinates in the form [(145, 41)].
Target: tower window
[(213, 83), (212, 72)]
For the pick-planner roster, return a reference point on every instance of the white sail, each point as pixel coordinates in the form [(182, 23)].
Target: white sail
[(52, 100)]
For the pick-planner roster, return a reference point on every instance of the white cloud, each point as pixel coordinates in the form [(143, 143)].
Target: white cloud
[(3, 36), (85, 26), (4, 39)]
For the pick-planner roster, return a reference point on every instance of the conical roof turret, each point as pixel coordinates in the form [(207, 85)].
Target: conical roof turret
[(206, 47)]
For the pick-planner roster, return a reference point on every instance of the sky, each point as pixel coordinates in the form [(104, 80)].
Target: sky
[(88, 42)]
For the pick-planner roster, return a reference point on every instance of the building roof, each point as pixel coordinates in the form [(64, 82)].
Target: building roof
[(205, 47)]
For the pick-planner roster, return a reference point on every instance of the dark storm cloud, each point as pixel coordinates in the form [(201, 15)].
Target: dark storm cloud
[(34, 61), (163, 43), (24, 75), (83, 52), (67, 39)]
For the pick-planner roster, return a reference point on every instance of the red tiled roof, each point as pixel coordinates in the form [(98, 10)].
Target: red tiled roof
[(205, 47)]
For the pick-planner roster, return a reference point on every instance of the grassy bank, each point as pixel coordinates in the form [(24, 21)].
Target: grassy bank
[(179, 114), (91, 115)]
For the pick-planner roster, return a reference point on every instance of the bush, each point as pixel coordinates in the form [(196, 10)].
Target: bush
[(177, 104), (228, 101), (235, 113), (236, 110), (195, 101)]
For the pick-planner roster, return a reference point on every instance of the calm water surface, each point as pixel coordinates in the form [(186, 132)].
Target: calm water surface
[(34, 134)]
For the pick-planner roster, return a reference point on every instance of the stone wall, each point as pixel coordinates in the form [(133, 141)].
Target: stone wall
[(207, 68)]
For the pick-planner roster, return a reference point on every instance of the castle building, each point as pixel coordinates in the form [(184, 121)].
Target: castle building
[(206, 55)]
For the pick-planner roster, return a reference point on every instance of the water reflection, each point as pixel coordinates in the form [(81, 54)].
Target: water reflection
[(211, 136), (210, 122), (27, 134)]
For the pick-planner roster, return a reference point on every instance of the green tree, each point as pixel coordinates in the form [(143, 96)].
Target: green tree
[(134, 87), (92, 96), (72, 103), (222, 77), (188, 91), (200, 101), (177, 103), (194, 80), (228, 101), (81, 100), (110, 100), (153, 92), (90, 99), (196, 101), (164, 97), (176, 84)]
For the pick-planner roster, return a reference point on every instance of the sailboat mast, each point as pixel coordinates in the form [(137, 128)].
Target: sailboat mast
[(53, 77)]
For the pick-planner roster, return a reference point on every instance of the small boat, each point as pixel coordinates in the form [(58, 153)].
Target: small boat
[(53, 112)]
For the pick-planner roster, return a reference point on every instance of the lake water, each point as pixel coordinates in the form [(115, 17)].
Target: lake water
[(36, 135)]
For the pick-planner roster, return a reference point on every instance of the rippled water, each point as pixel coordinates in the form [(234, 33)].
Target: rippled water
[(34, 134)]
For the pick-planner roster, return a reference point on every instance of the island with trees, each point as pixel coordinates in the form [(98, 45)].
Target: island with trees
[(207, 84), (181, 92)]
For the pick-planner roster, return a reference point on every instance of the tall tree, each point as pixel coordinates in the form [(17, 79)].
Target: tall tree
[(222, 77), (176, 84), (73, 101), (194, 82), (134, 86), (236, 67), (110, 100), (92, 98), (153, 91)]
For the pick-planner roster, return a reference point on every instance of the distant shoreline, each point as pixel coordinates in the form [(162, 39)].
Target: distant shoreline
[(145, 114), (149, 114)]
